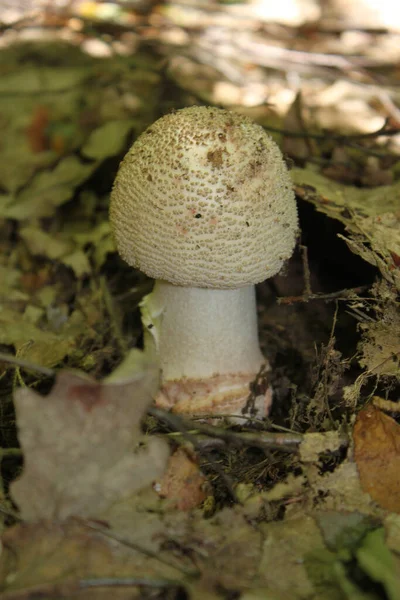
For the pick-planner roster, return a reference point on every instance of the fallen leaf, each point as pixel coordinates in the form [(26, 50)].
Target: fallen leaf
[(380, 346), (42, 78), (344, 531), (379, 563), (43, 244), (107, 140), (339, 490), (377, 454), (371, 216), (82, 445), (314, 444), (53, 560), (285, 545), (37, 344), (78, 262), (183, 484), (227, 548), (49, 189)]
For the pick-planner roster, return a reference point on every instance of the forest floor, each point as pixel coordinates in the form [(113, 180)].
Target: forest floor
[(98, 498)]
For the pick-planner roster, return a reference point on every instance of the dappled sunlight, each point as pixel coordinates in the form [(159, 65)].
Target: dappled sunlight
[(193, 442)]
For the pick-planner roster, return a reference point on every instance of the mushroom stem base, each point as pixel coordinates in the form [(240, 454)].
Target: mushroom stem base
[(234, 396)]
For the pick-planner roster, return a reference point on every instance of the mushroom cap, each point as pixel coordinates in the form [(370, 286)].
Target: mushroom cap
[(203, 198)]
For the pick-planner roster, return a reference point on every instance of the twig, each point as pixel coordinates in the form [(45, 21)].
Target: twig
[(128, 582), (306, 271), (25, 364), (369, 151), (287, 442), (71, 589), (339, 295), (327, 371), (338, 137), (247, 418), (139, 548), (176, 423)]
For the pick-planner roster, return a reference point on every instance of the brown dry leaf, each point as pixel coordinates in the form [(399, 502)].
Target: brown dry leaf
[(183, 484), (377, 454), (53, 560), (82, 445)]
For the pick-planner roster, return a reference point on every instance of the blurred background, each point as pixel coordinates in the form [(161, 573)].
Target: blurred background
[(329, 64)]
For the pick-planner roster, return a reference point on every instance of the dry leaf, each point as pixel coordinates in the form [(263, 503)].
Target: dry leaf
[(339, 490), (282, 567), (183, 484), (83, 449), (314, 444), (42, 345), (380, 346), (377, 454), (53, 560), (371, 217)]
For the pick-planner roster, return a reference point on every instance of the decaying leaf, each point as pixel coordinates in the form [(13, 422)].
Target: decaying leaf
[(380, 345), (314, 444), (340, 490), (377, 454), (371, 216), (82, 446), (48, 190), (52, 560), (285, 545), (344, 531), (227, 548), (41, 345), (43, 244), (183, 484)]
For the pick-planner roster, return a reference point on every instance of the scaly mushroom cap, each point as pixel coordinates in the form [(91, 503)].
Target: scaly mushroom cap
[(203, 198)]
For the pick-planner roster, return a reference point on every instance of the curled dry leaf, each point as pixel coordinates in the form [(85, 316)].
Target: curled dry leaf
[(371, 217), (377, 454), (83, 448)]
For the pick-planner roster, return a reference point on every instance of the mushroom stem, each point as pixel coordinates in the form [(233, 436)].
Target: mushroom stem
[(206, 332), (207, 345)]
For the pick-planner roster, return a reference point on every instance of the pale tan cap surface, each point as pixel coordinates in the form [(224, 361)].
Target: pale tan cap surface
[(203, 198)]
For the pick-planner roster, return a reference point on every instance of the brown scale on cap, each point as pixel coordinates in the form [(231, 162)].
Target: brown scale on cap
[(204, 199)]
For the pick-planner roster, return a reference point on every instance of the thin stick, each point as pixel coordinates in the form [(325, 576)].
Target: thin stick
[(339, 295), (306, 272), (128, 582), (338, 137), (25, 364), (176, 423), (266, 440), (139, 548)]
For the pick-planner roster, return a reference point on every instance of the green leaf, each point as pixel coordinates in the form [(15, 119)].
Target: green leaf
[(378, 562), (108, 140)]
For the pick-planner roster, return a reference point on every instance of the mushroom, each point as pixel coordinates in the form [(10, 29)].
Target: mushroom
[(203, 203)]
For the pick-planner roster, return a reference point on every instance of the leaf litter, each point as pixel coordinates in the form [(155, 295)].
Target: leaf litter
[(313, 515)]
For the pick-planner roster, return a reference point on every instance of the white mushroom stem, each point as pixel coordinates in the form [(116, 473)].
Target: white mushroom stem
[(207, 345)]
